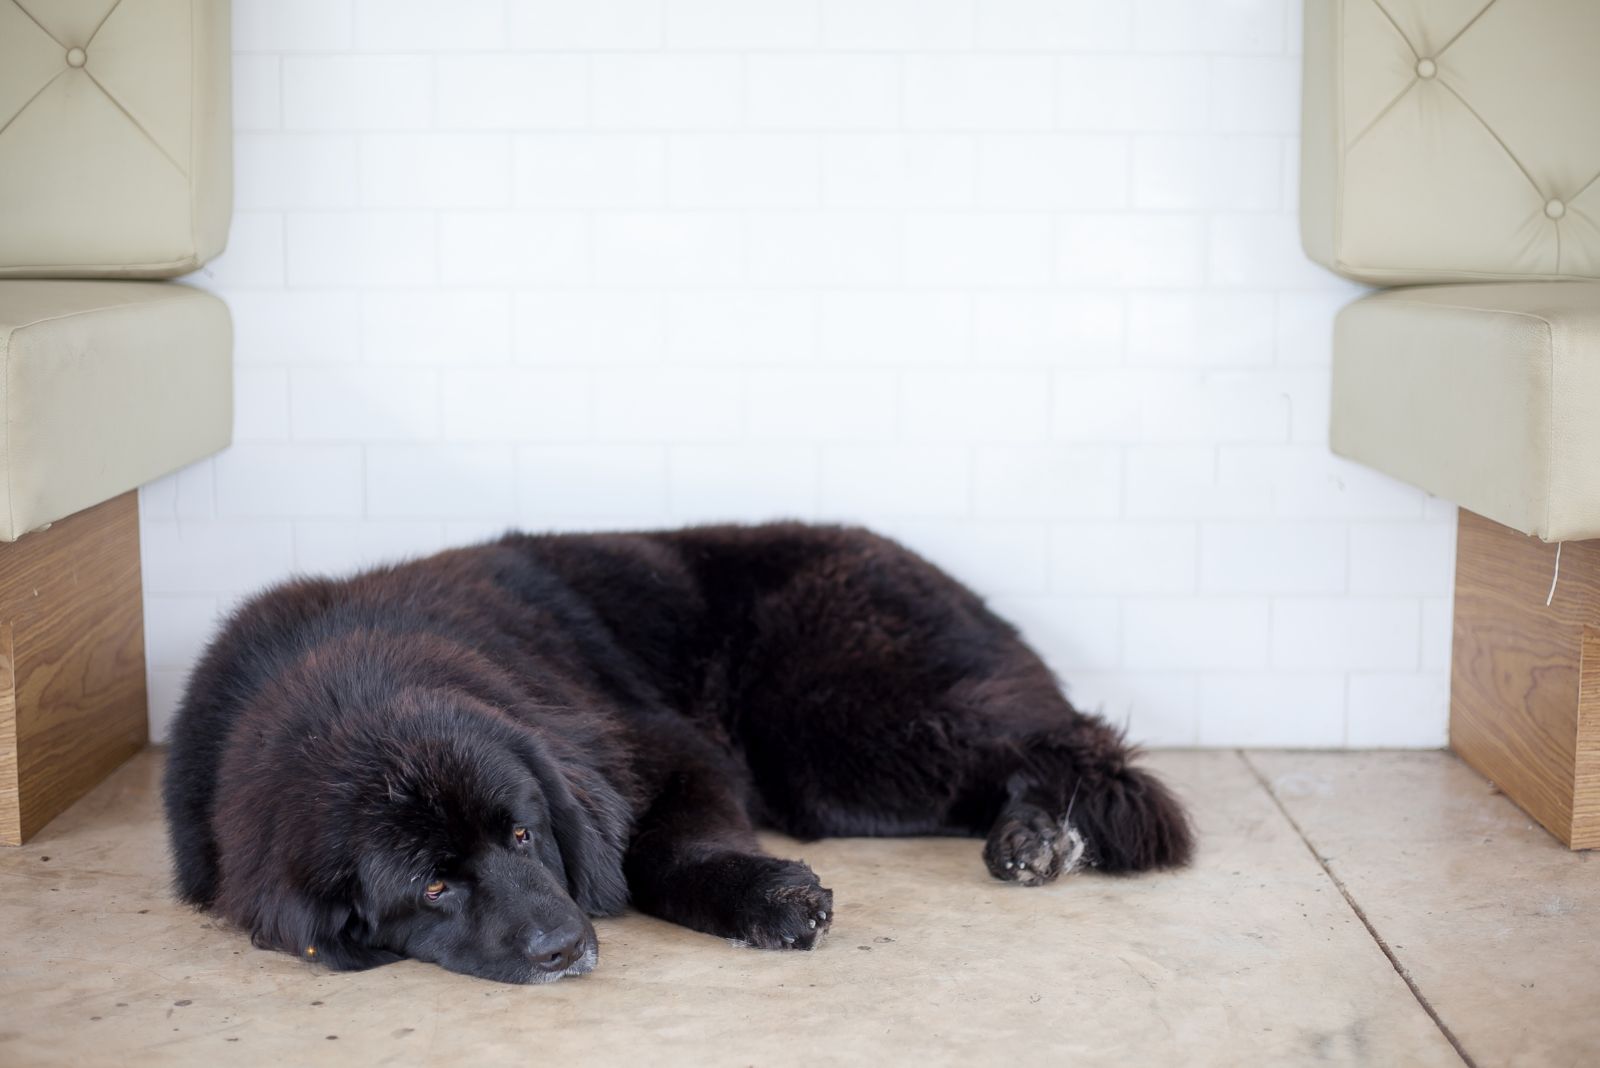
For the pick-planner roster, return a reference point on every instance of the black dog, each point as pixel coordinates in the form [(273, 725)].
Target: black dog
[(463, 758)]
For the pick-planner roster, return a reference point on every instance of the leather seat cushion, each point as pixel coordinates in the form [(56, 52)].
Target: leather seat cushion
[(1488, 396), (103, 387)]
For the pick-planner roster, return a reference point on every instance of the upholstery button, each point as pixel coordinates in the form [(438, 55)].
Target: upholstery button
[(76, 57), (1426, 68), (1555, 209)]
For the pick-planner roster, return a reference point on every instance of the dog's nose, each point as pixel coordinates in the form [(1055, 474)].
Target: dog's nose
[(556, 950)]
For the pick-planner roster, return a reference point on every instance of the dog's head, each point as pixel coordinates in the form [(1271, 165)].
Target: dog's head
[(438, 831)]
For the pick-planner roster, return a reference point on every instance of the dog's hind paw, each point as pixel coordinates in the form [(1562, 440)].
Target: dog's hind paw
[(1029, 847), (786, 908)]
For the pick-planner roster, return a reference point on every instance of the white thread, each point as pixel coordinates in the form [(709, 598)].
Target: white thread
[(1554, 578)]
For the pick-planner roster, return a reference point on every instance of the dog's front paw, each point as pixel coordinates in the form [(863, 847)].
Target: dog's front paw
[(784, 907), (1028, 846)]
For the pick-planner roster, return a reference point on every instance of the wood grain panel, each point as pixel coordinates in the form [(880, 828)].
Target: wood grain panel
[(1517, 667), (10, 806), (70, 601), (1586, 777)]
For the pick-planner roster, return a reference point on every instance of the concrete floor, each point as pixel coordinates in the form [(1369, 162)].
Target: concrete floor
[(1372, 908)]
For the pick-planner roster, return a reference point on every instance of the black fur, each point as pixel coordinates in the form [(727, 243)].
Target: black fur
[(632, 705)]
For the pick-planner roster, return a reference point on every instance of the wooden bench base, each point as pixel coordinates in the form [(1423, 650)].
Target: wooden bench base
[(1525, 677), (72, 690)]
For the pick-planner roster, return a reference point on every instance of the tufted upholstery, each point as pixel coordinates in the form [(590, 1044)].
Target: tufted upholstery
[(115, 146), (1452, 140), (115, 161)]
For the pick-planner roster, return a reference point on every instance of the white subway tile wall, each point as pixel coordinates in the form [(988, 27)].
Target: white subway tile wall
[(1016, 281)]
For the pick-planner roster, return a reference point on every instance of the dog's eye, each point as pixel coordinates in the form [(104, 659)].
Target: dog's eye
[(434, 889), (521, 835)]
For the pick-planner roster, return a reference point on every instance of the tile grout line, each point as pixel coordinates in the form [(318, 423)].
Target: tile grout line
[(1361, 915)]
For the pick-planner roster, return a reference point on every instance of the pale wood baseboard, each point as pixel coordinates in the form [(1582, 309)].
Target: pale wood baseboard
[(1525, 677), (72, 687)]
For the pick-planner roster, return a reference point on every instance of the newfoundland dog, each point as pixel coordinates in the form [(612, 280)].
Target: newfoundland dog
[(463, 758)]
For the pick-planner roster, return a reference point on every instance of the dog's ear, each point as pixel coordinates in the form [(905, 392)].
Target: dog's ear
[(319, 931), (589, 820)]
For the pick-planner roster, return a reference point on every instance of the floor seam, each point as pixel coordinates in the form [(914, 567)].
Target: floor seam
[(1349, 899)]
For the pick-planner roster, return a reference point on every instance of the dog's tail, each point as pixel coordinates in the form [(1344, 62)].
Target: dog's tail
[(1131, 821)]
